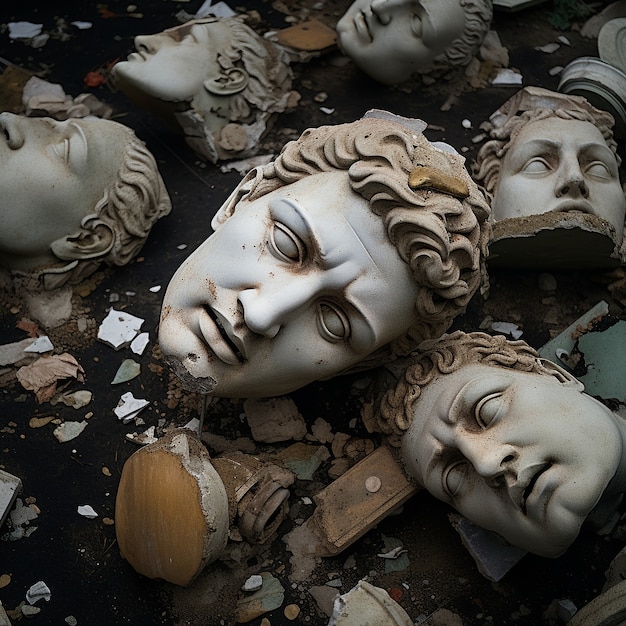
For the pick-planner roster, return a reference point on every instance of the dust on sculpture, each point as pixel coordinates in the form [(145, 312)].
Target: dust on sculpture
[(219, 80), (508, 439), (359, 241), (393, 40), (551, 169), (77, 194)]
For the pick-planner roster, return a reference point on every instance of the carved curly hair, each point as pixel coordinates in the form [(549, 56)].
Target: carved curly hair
[(446, 355)]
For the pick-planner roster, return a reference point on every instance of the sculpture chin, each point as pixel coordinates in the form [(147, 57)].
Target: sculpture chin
[(196, 384)]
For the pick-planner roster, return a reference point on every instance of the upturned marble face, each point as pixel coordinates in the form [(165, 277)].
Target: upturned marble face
[(53, 174), (560, 165), (515, 452), (392, 39), (173, 65), (296, 286)]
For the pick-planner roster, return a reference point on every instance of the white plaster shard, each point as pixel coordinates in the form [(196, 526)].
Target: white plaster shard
[(38, 591), (86, 510), (118, 329), (129, 407)]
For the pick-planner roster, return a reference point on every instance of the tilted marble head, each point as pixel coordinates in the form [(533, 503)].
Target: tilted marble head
[(356, 243), (212, 72), (551, 153), (507, 438), (74, 194), (391, 40)]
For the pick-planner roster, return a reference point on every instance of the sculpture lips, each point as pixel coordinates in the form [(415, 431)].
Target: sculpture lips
[(361, 25), (531, 485), (581, 206), (217, 338)]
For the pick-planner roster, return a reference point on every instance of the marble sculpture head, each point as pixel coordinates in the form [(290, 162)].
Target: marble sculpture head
[(356, 243)]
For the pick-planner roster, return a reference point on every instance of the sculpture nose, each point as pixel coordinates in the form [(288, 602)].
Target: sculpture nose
[(572, 183), (9, 126), (492, 460), (266, 309), (147, 43)]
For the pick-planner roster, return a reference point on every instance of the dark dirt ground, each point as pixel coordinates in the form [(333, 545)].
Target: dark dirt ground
[(78, 558)]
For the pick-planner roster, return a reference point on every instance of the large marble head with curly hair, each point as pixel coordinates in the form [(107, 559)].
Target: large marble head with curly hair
[(506, 438), (359, 241)]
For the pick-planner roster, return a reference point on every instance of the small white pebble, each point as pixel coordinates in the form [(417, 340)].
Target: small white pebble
[(466, 123), (254, 583)]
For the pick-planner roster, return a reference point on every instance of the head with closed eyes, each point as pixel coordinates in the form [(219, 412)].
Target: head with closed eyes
[(551, 153), (391, 40), (327, 260), (82, 191), (508, 439), (219, 69)]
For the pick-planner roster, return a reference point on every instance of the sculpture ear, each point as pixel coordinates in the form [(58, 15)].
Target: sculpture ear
[(563, 375), (229, 82), (94, 239)]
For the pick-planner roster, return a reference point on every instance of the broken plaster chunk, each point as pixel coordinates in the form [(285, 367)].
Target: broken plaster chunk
[(143, 438), (40, 345), (367, 605), (139, 343), (9, 488), (274, 419), (38, 591), (24, 30), (69, 430), (129, 407), (13, 353), (86, 510), (549, 48), (118, 329), (76, 399), (507, 328), (506, 77), (253, 583)]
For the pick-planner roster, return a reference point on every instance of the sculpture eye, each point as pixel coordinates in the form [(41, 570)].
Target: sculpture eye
[(417, 26), (454, 476), (332, 323), (489, 409), (286, 245), (598, 169), (62, 150), (536, 166)]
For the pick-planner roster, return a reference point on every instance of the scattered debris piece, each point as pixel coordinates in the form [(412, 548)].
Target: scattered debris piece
[(493, 555), (274, 419), (139, 343), (242, 166), (367, 605), (40, 345), (15, 353), (567, 339), (75, 399), (129, 407), (303, 459), (155, 289), (253, 583), (24, 30), (604, 359), (291, 612), (548, 48), (269, 597), (506, 77), (507, 328), (395, 555), (86, 510), (128, 370), (327, 110), (10, 486), (48, 374), (69, 430), (118, 329), (38, 591), (144, 438)]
